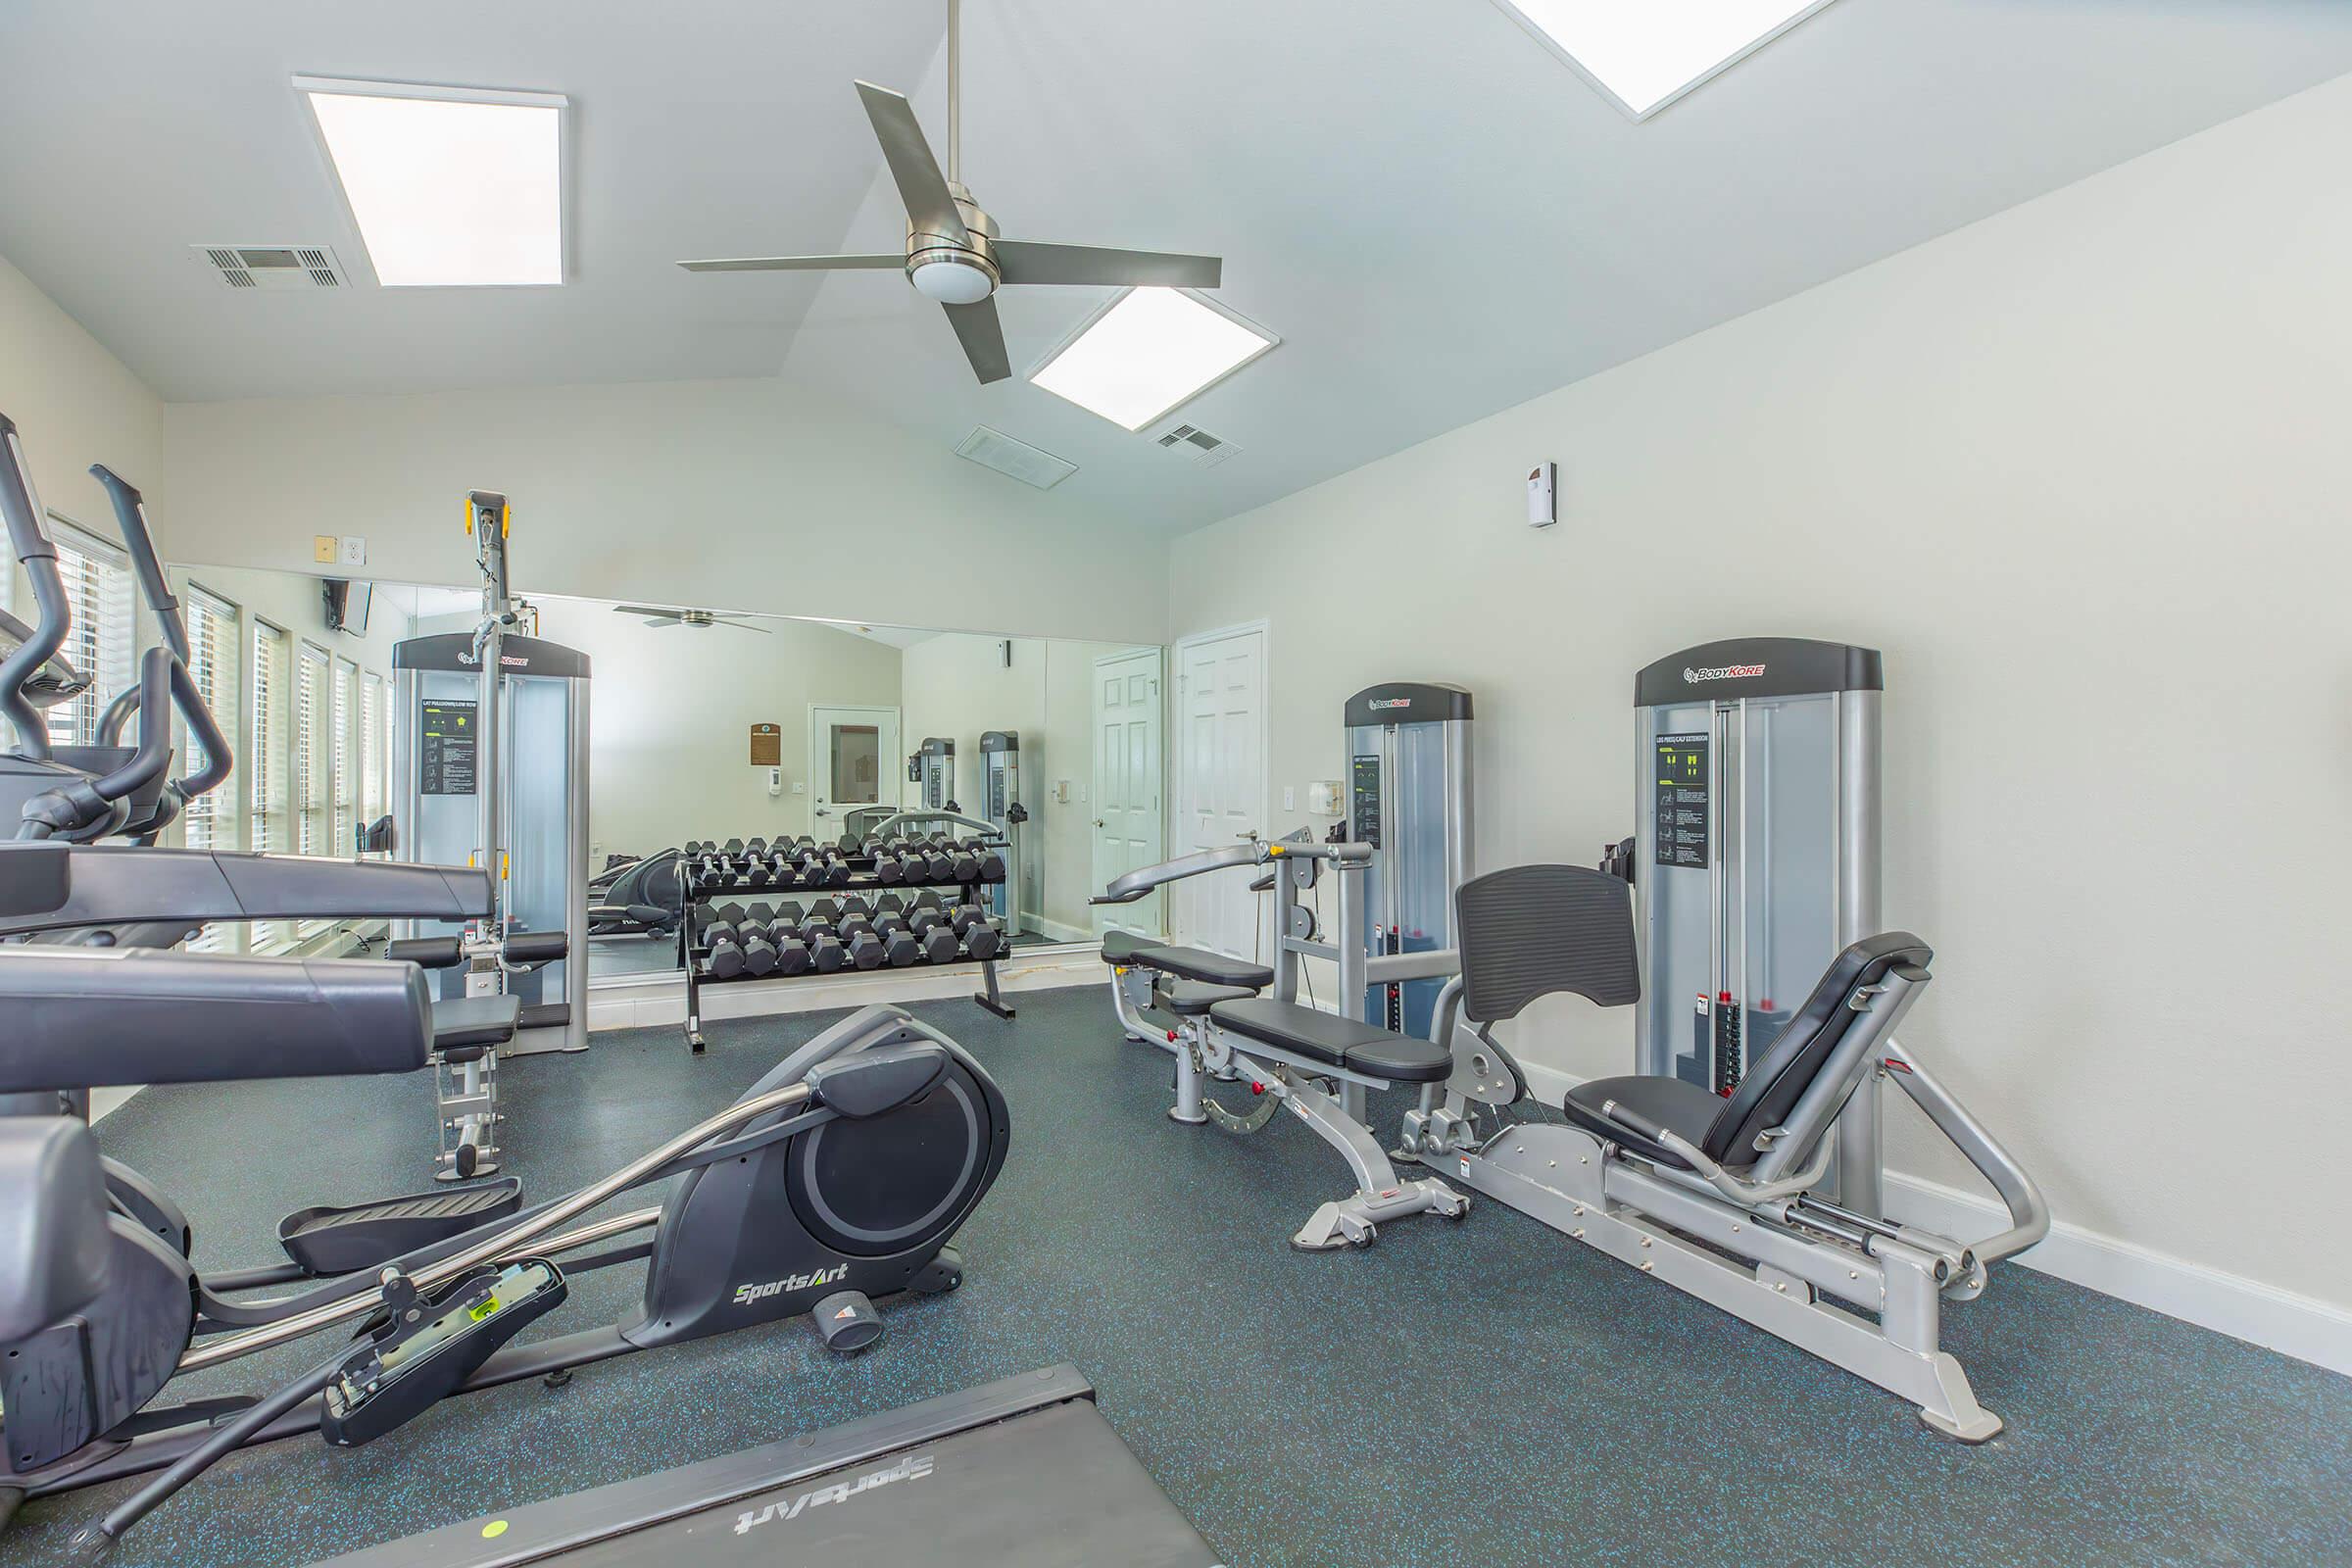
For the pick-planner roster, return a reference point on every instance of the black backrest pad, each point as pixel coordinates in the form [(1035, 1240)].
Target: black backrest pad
[(1526, 931), (53, 1239), (78, 1017), (1778, 1078)]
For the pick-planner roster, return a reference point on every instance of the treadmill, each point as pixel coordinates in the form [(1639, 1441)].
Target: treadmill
[(1023, 1471)]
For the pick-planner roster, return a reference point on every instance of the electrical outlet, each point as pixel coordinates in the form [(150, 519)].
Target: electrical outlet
[(354, 550), (800, 787), (324, 548)]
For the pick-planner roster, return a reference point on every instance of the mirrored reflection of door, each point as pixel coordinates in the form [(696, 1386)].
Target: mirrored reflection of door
[(853, 755)]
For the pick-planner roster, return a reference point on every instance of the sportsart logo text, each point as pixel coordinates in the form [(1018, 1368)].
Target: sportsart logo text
[(1722, 672), (746, 1295), (914, 1467), (1392, 701)]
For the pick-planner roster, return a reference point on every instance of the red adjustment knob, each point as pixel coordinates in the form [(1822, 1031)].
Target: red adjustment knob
[(1171, 1037), (1257, 1089)]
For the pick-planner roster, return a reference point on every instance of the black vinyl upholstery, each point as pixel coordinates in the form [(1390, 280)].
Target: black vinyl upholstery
[(1726, 1129), (82, 1018), (1685, 1110), (1188, 998), (1527, 931), (460, 1021), (1342, 1042), (1209, 969), (1121, 947), (1777, 1078)]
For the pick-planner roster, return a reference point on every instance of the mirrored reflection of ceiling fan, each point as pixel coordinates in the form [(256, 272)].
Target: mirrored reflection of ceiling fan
[(655, 615), (953, 254)]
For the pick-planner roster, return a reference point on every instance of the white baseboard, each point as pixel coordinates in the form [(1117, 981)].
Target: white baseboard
[(2301, 1325), (1056, 931)]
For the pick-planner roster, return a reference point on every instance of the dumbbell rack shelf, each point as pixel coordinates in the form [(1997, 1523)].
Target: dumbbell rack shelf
[(696, 884)]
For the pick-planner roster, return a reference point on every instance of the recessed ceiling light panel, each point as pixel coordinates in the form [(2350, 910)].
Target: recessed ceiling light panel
[(450, 187), (1644, 53), (1149, 352)]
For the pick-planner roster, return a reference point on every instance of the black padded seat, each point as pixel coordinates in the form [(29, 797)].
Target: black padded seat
[(1684, 1108), (1209, 969), (464, 1027), (1190, 999), (1121, 947), (1341, 1042)]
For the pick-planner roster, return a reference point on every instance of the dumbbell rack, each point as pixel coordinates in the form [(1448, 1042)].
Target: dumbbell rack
[(727, 871)]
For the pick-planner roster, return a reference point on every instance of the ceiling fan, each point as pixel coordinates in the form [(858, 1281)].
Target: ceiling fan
[(953, 254), (655, 615)]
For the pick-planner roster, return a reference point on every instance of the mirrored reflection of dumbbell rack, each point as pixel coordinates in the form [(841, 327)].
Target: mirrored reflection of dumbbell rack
[(755, 911)]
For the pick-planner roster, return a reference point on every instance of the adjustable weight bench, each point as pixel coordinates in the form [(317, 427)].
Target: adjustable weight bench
[(1286, 1052)]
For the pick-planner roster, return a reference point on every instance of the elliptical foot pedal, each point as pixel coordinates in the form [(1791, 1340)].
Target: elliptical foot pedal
[(325, 1241), (847, 1322), (427, 1347)]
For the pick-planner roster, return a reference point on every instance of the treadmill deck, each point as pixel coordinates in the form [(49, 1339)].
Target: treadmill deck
[(1021, 1471)]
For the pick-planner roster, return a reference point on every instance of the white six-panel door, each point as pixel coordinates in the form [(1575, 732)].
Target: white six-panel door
[(1222, 783), (1128, 826)]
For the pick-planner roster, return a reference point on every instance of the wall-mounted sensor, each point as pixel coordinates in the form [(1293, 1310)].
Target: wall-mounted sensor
[(1543, 483)]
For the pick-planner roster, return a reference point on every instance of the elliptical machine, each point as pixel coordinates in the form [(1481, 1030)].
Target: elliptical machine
[(838, 1177)]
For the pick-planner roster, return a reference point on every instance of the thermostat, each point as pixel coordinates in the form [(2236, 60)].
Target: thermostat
[(1541, 483)]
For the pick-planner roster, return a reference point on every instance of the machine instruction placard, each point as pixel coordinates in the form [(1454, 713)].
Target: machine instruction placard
[(1364, 804), (1681, 804), (445, 740)]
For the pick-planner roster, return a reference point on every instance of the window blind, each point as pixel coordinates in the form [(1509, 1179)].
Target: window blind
[(309, 774), (98, 594), (210, 822)]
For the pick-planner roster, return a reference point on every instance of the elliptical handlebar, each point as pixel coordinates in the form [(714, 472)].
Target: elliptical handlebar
[(131, 515), (29, 537), (138, 538)]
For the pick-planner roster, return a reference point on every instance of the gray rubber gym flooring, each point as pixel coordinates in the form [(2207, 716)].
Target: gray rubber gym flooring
[(1485, 1394)]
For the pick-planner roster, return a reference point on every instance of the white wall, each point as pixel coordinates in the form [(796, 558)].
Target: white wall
[(737, 495), (2082, 471), (74, 404), (670, 714)]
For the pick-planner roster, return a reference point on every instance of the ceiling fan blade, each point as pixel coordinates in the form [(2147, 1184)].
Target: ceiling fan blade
[(653, 610), (921, 187), (740, 625), (659, 622), (792, 263), (1022, 261), (983, 337)]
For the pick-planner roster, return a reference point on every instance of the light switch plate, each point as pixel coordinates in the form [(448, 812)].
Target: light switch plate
[(354, 550), (1290, 797), (324, 548)]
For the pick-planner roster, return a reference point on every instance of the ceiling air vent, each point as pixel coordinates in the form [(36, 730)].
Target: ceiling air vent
[(993, 449), (272, 267), (1197, 446)]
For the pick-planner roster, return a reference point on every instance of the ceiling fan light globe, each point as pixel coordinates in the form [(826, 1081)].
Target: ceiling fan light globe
[(951, 282)]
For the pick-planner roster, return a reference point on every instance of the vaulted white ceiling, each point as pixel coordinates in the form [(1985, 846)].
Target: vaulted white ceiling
[(1437, 217)]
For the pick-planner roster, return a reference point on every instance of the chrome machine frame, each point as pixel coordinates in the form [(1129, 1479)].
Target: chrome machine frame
[(1001, 804), (496, 660), (1758, 702), (1404, 741)]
